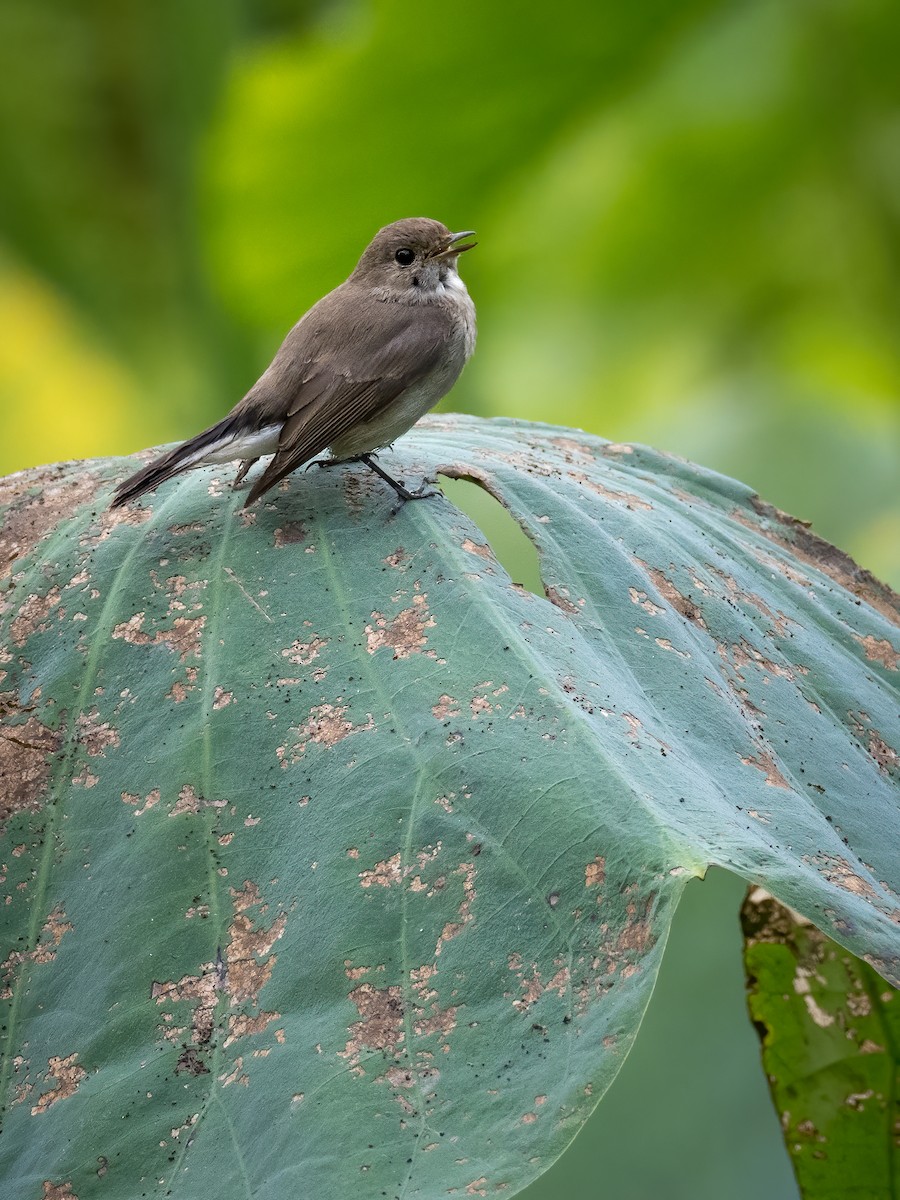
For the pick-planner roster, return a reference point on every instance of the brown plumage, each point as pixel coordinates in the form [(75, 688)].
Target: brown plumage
[(354, 373)]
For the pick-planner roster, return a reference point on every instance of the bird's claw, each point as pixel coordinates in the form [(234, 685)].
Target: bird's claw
[(423, 493)]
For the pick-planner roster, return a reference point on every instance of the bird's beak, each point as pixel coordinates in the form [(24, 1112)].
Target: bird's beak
[(452, 248)]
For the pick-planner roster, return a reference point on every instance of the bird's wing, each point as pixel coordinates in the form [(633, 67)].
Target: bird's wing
[(339, 374)]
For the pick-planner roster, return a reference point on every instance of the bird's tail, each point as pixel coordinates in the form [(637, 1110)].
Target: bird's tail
[(175, 462)]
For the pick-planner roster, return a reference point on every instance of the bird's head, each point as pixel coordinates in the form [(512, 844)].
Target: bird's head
[(416, 256)]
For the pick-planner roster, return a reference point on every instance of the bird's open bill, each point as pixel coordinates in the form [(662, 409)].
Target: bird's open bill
[(453, 248)]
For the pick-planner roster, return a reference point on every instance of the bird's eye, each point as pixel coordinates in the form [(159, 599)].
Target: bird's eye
[(404, 256)]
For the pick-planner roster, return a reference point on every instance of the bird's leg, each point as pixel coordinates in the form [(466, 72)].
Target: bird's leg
[(366, 459), (245, 466), (402, 491)]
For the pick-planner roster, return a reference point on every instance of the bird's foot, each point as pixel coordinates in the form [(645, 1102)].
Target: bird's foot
[(422, 493), (329, 462), (400, 488)]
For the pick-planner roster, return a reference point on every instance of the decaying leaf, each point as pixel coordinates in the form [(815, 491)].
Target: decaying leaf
[(366, 856)]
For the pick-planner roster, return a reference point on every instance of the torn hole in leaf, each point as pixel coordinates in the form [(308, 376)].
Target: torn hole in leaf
[(511, 546)]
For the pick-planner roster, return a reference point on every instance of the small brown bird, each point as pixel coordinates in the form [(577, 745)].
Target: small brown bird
[(354, 373)]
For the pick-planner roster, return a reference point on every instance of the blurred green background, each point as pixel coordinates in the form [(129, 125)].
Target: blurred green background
[(688, 217)]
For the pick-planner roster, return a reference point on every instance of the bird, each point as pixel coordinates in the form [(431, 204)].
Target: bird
[(356, 371)]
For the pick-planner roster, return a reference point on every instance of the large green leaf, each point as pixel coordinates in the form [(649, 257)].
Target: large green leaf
[(831, 1047), (336, 862)]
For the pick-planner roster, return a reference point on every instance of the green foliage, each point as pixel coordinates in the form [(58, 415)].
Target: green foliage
[(831, 1032), (341, 862), (688, 214), (687, 211)]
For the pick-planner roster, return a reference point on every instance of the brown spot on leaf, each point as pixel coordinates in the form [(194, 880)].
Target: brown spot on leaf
[(190, 801), (439, 1020), (380, 1026), (190, 1062), (289, 533), (420, 978), (400, 1077), (665, 644), (236, 1074), (629, 499), (880, 650), (453, 929), (779, 622), (682, 604), (837, 870), (634, 727), (392, 870), (764, 919), (68, 1074), (797, 538), (445, 708), (183, 637), (200, 991), (572, 448), (884, 756), (238, 975), (743, 654), (243, 1025), (637, 933), (248, 968), (111, 519), (58, 1191), (327, 725), (533, 986), (384, 874), (28, 517), (303, 653), (151, 800), (477, 548), (32, 616), (765, 762), (355, 972), (24, 769), (595, 873), (397, 558), (54, 929), (180, 689), (405, 633), (560, 597), (95, 735), (52, 933), (186, 1126), (638, 597)]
